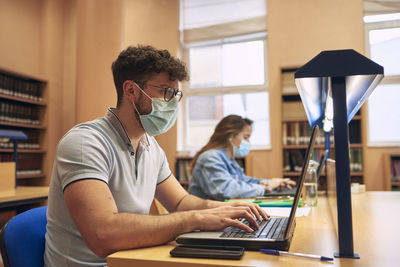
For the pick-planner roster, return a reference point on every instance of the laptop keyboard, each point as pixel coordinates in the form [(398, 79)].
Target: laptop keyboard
[(270, 229)]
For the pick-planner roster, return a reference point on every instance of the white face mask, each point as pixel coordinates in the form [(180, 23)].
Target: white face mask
[(162, 116)]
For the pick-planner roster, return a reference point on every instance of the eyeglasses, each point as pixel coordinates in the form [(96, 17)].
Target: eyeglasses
[(170, 93)]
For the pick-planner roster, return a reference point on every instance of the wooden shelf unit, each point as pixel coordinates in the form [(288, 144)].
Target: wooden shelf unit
[(320, 146), (296, 132), (21, 99), (23, 107)]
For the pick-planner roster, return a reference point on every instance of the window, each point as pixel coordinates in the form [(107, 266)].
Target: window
[(383, 33), (203, 13), (225, 51), (228, 76)]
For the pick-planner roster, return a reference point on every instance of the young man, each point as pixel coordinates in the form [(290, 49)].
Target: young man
[(107, 171)]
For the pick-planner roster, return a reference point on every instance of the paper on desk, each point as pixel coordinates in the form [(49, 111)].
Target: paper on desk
[(285, 212)]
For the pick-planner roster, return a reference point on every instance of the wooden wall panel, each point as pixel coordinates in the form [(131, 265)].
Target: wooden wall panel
[(156, 23), (20, 31)]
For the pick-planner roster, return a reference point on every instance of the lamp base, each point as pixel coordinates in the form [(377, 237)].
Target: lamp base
[(354, 256)]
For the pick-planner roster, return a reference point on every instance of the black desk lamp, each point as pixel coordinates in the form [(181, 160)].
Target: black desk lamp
[(333, 86)]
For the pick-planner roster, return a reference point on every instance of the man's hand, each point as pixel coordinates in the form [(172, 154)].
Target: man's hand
[(228, 215), (255, 208)]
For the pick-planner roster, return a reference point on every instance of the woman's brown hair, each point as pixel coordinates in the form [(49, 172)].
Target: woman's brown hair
[(229, 126)]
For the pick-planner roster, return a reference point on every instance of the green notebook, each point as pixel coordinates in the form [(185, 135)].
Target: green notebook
[(277, 203)]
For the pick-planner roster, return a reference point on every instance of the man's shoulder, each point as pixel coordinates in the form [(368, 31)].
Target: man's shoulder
[(86, 132), (98, 126)]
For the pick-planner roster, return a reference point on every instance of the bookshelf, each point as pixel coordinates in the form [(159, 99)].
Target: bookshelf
[(296, 133), (23, 108), (391, 167), (183, 168)]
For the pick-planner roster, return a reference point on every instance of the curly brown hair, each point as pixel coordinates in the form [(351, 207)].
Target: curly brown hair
[(140, 63)]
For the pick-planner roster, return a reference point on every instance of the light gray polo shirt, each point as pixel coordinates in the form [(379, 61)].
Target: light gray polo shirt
[(101, 150)]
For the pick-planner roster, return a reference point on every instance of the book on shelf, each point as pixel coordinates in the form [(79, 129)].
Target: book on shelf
[(395, 169), (183, 169), (293, 160), (286, 161), (299, 132)]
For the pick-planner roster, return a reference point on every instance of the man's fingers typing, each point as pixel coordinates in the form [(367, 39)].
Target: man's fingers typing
[(238, 224)]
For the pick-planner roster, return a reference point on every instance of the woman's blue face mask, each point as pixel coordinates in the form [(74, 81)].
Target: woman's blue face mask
[(242, 150), (162, 116)]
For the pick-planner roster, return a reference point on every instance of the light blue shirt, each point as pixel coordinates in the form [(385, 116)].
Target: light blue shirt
[(216, 176)]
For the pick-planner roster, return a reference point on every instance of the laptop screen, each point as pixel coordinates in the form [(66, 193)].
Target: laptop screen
[(301, 180)]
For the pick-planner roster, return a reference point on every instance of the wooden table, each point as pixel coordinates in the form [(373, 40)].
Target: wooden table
[(376, 231), (23, 195)]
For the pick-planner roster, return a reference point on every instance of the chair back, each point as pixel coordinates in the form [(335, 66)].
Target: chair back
[(22, 239)]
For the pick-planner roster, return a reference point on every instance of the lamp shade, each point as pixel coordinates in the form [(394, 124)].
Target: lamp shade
[(313, 81), (13, 135)]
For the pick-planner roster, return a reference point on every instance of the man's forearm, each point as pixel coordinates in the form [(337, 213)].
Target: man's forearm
[(127, 230), (191, 202)]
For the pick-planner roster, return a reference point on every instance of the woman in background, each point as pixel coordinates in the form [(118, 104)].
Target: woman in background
[(216, 174)]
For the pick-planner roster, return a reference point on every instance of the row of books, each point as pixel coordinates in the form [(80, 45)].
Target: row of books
[(395, 169), (19, 113), (298, 133), (29, 172), (293, 159), (21, 145), (31, 143), (183, 170), (26, 89)]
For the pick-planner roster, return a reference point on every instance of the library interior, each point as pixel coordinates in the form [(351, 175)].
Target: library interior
[(245, 58)]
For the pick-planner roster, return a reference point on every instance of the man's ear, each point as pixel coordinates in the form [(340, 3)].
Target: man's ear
[(129, 90)]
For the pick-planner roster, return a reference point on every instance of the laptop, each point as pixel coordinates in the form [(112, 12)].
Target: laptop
[(276, 233), (289, 192)]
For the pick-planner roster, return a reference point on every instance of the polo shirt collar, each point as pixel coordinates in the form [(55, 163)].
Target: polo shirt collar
[(117, 124)]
